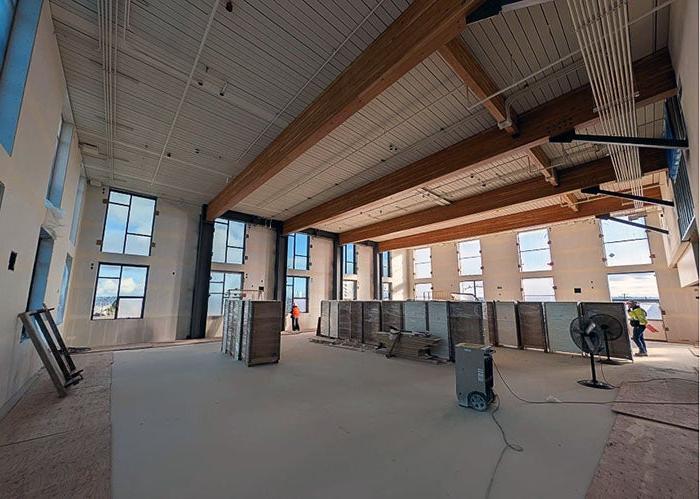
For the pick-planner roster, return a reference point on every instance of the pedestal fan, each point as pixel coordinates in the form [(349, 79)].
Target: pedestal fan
[(591, 335)]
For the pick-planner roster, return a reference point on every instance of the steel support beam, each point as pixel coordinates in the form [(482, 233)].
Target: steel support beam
[(376, 272), (571, 136), (633, 224), (625, 195), (280, 288), (336, 291), (200, 293)]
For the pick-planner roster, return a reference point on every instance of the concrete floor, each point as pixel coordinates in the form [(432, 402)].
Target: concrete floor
[(328, 422)]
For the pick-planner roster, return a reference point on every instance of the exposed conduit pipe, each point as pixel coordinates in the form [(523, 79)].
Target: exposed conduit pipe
[(187, 87)]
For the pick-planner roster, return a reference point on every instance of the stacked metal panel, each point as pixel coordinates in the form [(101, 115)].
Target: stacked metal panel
[(344, 319), (232, 324), (392, 315), (488, 311), (619, 348), (415, 316), (558, 317), (439, 326), (531, 325), (356, 321), (333, 319), (324, 326), (507, 324), (261, 332), (466, 323), (371, 321)]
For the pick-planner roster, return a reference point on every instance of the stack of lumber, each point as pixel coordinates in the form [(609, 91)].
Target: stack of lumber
[(406, 344), (252, 331)]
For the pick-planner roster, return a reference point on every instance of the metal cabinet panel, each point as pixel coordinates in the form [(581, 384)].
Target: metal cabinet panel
[(531, 325), (558, 318), (506, 324)]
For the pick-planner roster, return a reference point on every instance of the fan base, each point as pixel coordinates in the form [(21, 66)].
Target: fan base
[(595, 384), (610, 362)]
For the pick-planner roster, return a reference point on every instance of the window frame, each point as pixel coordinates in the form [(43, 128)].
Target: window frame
[(639, 299), (128, 218), (429, 262), (415, 292), (550, 264), (291, 246), (64, 289), (346, 261), (387, 296), (223, 290), (354, 290), (243, 248), (522, 288), (461, 258), (641, 220), (11, 19), (385, 264), (121, 272), (289, 298), (59, 166), (473, 281)]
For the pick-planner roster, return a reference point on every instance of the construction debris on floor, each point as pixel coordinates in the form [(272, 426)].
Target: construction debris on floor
[(252, 330)]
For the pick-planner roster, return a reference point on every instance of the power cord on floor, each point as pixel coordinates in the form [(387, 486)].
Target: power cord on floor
[(506, 445)]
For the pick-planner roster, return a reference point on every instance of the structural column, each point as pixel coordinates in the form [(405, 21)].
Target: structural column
[(280, 291), (202, 274), (376, 272), (336, 291)]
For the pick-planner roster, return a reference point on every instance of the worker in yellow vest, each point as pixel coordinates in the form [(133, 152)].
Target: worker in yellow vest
[(638, 321)]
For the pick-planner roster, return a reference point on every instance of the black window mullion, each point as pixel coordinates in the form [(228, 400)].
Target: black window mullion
[(126, 229)]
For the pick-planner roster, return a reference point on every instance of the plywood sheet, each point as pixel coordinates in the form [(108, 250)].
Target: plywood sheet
[(392, 315), (371, 321), (262, 328), (506, 324), (324, 326), (344, 318), (333, 319), (531, 325), (558, 318), (466, 323), (356, 321), (415, 316), (439, 326), (621, 347), (661, 390)]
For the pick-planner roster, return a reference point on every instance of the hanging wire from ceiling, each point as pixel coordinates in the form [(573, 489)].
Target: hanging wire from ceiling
[(107, 12)]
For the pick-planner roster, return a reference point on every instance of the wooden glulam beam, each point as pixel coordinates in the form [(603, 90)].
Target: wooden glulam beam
[(654, 80), (418, 32), (571, 179), (542, 162), (522, 220), (570, 201)]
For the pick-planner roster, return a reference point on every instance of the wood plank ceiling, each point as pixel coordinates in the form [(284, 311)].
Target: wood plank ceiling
[(266, 61)]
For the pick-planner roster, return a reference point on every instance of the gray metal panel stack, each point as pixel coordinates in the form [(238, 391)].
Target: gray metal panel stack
[(232, 324), (333, 318), (488, 312), (324, 326), (466, 323), (371, 321), (439, 326), (392, 315), (506, 324), (558, 317), (356, 321), (344, 319), (531, 325), (621, 347), (415, 316), (262, 328)]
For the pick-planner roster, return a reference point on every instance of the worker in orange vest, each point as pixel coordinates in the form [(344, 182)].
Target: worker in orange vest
[(295, 317)]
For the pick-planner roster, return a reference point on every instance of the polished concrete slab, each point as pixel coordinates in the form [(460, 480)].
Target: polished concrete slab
[(328, 422)]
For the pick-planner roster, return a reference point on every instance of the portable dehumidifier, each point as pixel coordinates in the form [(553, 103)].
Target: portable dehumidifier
[(474, 371)]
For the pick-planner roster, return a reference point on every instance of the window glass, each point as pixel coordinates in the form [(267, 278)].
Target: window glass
[(538, 289), (421, 263), (386, 291), (423, 291), (349, 259), (57, 180), (386, 264), (533, 249), (297, 293), (77, 210), (229, 241), (469, 254), (120, 291), (7, 13), (472, 289), (298, 251), (128, 225), (63, 293), (219, 284), (349, 290), (624, 244), (637, 286)]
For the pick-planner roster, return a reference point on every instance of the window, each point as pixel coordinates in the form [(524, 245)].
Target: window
[(469, 254), (60, 164), (40, 274), (349, 259), (386, 263), (533, 247), (349, 290), (63, 294), (474, 289), (298, 251), (128, 224), (386, 291), (229, 241), (77, 210), (120, 292), (423, 291), (421, 263), (297, 293), (7, 13), (538, 289), (624, 244), (638, 286), (219, 284)]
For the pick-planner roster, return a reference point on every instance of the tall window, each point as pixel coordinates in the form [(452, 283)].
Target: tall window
[(298, 251), (533, 247), (219, 284), (475, 289), (421, 263), (624, 244), (120, 292), (538, 289), (77, 210), (128, 225), (349, 289), (349, 259), (386, 291), (229, 241), (638, 286), (297, 293), (63, 293), (386, 263), (469, 257), (423, 291), (7, 14), (57, 180)]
